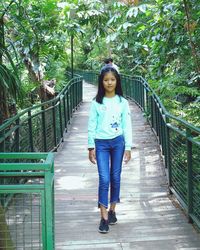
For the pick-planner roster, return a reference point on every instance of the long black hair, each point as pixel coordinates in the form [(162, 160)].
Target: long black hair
[(101, 90)]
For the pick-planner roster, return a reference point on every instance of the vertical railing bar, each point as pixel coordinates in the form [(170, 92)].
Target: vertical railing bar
[(60, 116), (163, 134), (54, 124), (189, 175), (169, 165), (64, 106), (49, 210), (44, 222), (30, 131), (44, 129), (76, 92), (2, 144), (152, 118), (71, 100), (159, 127), (74, 96), (17, 135), (68, 107)]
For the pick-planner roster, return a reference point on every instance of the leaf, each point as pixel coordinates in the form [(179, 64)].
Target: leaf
[(143, 8), (135, 11), (132, 12), (8, 81), (126, 25), (119, 46), (113, 36), (125, 45)]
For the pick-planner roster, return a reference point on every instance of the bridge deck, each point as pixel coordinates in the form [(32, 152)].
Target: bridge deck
[(147, 217)]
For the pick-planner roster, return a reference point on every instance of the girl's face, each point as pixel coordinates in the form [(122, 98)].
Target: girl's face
[(109, 84)]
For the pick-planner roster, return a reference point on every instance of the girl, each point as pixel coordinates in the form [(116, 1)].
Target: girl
[(109, 139)]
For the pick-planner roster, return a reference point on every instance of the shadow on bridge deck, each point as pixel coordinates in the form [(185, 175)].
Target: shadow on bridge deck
[(147, 219)]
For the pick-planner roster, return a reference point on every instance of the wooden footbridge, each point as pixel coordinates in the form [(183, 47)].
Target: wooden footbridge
[(148, 217), (51, 203)]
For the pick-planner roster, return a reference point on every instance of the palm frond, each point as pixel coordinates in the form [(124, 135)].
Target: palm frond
[(8, 56), (8, 82), (9, 79)]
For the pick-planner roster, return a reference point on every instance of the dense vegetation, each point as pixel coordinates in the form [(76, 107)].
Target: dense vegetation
[(156, 39)]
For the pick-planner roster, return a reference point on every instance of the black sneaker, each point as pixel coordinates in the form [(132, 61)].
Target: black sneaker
[(112, 219), (103, 226)]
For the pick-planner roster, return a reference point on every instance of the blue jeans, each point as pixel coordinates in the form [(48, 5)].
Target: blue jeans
[(109, 156)]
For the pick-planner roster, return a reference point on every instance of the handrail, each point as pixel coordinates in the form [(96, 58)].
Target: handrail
[(179, 142), (35, 106), (41, 127), (165, 112), (30, 176), (32, 193)]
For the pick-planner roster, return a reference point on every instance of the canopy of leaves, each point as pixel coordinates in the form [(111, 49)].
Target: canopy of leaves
[(156, 39)]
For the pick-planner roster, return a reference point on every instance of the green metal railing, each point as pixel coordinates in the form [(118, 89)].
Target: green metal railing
[(40, 128), (26, 179), (179, 142), (27, 222)]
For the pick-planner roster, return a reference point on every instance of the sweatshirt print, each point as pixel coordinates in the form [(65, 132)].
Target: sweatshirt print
[(109, 120)]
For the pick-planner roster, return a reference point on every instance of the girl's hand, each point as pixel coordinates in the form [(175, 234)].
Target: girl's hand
[(127, 156), (92, 156)]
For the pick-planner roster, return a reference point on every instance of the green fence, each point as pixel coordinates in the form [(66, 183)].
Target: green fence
[(179, 142), (26, 179), (27, 201), (40, 128)]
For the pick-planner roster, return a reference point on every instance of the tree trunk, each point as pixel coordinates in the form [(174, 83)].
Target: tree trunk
[(4, 112), (1, 39), (192, 44)]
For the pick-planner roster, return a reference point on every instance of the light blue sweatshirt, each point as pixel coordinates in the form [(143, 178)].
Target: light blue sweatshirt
[(109, 120)]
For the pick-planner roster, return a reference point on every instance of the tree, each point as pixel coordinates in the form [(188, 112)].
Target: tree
[(9, 81)]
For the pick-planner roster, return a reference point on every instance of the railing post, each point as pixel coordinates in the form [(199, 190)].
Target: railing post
[(64, 106), (153, 114), (2, 144), (142, 95), (60, 116), (156, 118), (76, 94), (148, 109), (81, 93), (49, 210), (168, 155), (163, 134), (151, 111), (74, 97), (54, 124), (17, 135), (145, 100), (44, 129), (70, 102), (189, 174), (159, 126), (78, 91), (68, 107), (30, 131), (129, 87)]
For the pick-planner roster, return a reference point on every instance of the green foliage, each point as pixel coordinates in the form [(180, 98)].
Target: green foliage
[(155, 39), (192, 113), (159, 41), (56, 70), (8, 81)]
